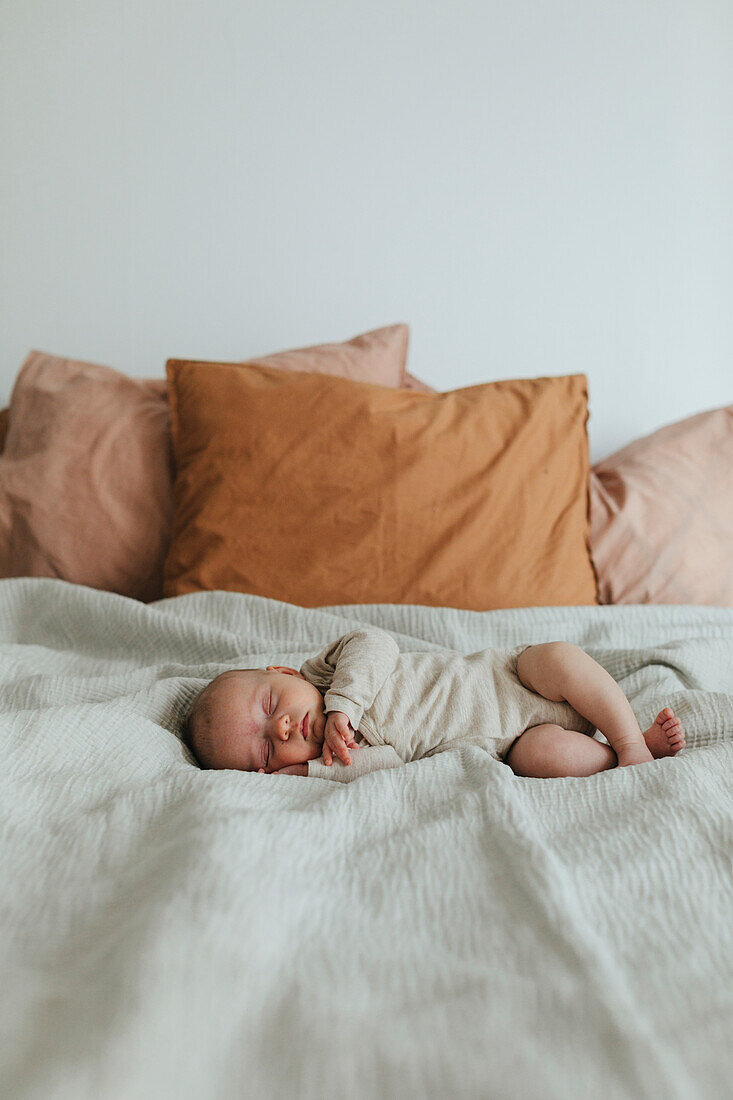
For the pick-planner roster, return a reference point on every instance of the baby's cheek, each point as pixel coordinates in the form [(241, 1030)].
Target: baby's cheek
[(312, 752)]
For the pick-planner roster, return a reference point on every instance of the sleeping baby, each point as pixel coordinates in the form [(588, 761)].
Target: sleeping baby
[(534, 708)]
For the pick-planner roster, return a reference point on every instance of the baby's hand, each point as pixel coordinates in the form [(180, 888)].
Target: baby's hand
[(338, 737)]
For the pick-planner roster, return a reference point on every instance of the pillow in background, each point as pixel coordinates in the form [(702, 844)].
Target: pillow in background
[(377, 356), (86, 477), (410, 382), (89, 463), (662, 515), (317, 490)]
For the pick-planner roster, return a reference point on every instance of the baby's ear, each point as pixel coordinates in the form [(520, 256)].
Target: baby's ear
[(283, 668)]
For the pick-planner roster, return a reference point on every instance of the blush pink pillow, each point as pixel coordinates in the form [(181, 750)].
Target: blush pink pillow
[(86, 474), (86, 477), (378, 357), (662, 518)]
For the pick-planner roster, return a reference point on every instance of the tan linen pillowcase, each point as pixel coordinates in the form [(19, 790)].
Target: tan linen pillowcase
[(317, 490), (662, 515)]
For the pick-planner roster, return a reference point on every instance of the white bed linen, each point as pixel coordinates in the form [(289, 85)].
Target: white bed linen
[(443, 929)]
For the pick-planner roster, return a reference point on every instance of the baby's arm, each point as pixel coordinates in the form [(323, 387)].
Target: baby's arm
[(370, 758), (351, 670), (367, 758)]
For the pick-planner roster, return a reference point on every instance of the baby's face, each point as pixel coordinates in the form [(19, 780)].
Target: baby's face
[(265, 719)]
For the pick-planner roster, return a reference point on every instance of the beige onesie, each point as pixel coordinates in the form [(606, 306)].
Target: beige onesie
[(410, 705)]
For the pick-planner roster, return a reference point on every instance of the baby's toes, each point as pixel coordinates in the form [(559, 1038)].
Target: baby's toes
[(676, 737)]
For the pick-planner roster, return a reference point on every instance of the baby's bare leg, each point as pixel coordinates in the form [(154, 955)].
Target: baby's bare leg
[(548, 752), (564, 673)]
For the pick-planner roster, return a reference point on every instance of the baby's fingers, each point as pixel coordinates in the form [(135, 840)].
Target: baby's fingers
[(343, 753), (339, 749)]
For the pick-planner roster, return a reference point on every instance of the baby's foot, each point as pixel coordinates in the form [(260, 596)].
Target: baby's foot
[(665, 736)]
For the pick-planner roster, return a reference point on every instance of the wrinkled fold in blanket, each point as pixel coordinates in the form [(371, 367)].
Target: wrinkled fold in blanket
[(440, 928)]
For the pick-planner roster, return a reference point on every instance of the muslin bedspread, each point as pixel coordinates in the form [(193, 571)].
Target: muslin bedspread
[(442, 929)]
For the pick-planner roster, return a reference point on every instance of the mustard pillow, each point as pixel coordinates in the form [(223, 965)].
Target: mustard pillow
[(318, 490)]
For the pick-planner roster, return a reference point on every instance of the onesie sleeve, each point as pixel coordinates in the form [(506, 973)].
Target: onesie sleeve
[(370, 758), (352, 670)]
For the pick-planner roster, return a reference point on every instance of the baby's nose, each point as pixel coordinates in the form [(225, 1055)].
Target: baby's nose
[(284, 727)]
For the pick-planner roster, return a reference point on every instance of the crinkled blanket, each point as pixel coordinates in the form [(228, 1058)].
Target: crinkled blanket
[(443, 929)]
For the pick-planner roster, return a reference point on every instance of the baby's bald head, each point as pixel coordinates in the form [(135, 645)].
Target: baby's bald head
[(199, 731), (256, 719)]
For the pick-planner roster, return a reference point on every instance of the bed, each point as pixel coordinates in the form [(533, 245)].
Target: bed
[(445, 928)]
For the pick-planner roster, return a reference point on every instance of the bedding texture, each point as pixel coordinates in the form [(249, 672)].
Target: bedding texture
[(319, 490), (444, 928)]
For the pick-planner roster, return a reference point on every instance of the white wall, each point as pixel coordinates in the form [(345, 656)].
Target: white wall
[(536, 187)]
